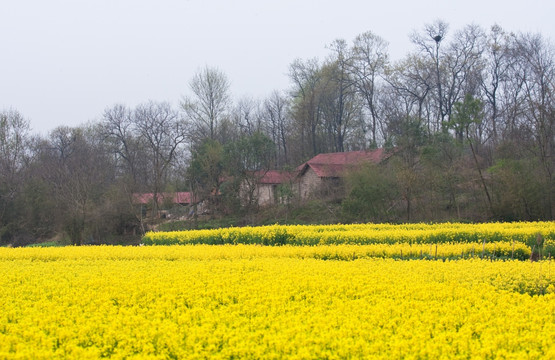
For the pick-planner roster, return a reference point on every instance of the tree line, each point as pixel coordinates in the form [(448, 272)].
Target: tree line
[(468, 114)]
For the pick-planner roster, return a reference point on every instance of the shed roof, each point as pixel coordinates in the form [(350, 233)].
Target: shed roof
[(274, 176), (334, 164)]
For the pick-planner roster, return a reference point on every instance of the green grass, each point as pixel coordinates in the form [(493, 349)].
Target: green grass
[(46, 244)]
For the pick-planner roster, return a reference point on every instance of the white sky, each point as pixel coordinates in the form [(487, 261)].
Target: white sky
[(62, 62)]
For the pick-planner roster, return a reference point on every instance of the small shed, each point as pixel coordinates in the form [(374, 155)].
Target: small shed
[(268, 184), (324, 171)]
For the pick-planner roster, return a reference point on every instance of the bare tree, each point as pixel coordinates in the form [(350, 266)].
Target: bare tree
[(463, 66), (120, 134), (163, 132), (538, 60), (458, 66), (496, 69), (306, 77), (14, 148), (413, 78), (370, 59), (78, 173), (246, 116), (340, 105), (208, 104), (276, 112), (429, 42)]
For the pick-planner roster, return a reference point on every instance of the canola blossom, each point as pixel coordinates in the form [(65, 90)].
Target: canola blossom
[(362, 234), (256, 302)]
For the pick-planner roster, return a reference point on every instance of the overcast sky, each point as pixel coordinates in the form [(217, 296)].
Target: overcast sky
[(62, 62)]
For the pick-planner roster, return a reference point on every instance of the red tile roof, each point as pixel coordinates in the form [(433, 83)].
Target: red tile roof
[(183, 197), (176, 197), (334, 164), (273, 176), (276, 177)]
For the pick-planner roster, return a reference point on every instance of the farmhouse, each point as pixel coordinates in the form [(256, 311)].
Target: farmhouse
[(323, 172), (267, 184), (320, 175)]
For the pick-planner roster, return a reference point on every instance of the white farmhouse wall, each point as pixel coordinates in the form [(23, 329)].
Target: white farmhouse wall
[(265, 193)]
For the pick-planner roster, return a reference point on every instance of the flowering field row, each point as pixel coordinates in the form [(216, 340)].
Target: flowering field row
[(524, 232), (248, 301), (492, 250)]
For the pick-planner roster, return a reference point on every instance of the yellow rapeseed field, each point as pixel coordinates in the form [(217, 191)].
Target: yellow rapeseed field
[(256, 302), (524, 232)]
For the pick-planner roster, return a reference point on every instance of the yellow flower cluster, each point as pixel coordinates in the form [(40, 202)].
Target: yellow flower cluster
[(255, 302), (524, 232)]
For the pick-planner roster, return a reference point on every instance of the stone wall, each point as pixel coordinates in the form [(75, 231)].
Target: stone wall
[(308, 183)]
